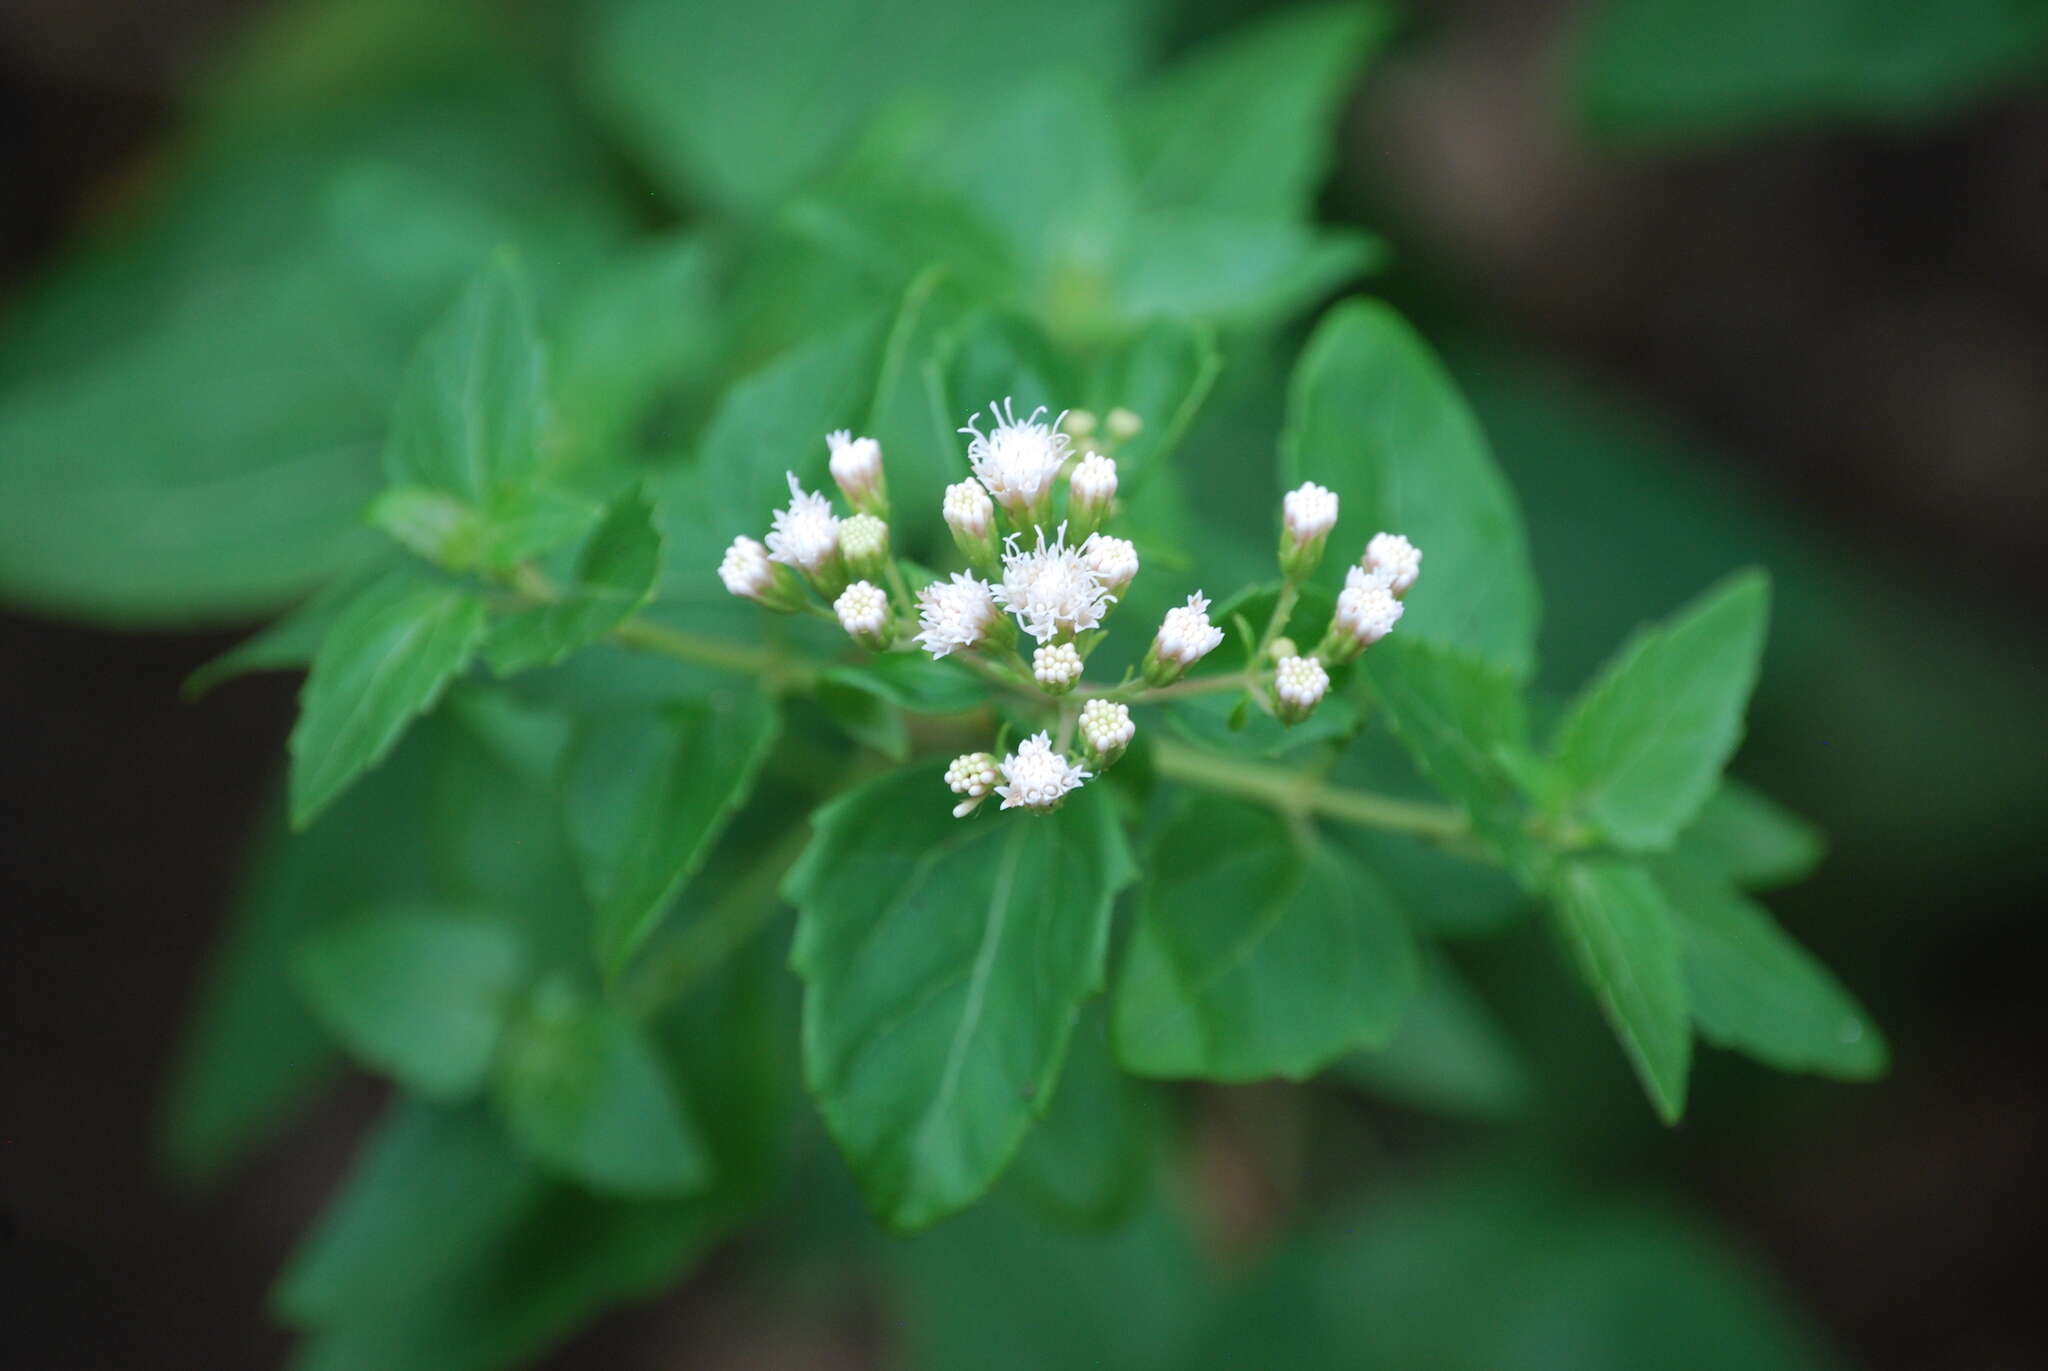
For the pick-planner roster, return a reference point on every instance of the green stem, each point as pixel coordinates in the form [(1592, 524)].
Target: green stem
[(1283, 609), (777, 672), (1298, 793)]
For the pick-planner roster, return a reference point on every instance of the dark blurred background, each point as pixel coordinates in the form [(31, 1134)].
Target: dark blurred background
[(1851, 326)]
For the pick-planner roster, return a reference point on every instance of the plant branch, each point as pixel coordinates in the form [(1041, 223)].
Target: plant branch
[(1299, 793)]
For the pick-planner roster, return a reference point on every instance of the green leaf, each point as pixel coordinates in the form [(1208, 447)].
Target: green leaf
[(1088, 1164), (944, 963), (915, 682), (1454, 714), (1644, 743), (1665, 71), (1242, 272), (252, 1051), (1372, 415), (583, 1091), (288, 643), (1450, 1055), (473, 405), (1498, 1265), (1627, 945), (189, 470), (1753, 989), (1247, 125), (646, 796), (430, 1187), (615, 576), (385, 660), (642, 334), (741, 107), (1255, 957), (1751, 839), (865, 714), (420, 994), (775, 421)]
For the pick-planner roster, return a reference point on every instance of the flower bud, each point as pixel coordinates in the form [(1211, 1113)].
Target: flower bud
[(1185, 637), (1298, 686), (1078, 424), (1122, 425), (857, 467), (971, 516), (1394, 560), (864, 544), (960, 613), (748, 573), (1090, 490), (1366, 612), (1056, 667), (1106, 730), (1113, 560), (972, 774), (863, 611), (1307, 515)]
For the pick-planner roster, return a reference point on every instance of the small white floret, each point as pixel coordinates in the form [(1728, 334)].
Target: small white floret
[(1017, 459), (1113, 560), (968, 509), (1310, 511), (1106, 729), (856, 465), (1056, 666), (1052, 589), (1300, 682), (1038, 777), (806, 535), (746, 570), (1394, 560), (1094, 480), (863, 611), (1186, 635), (954, 614), (972, 774), (1366, 608)]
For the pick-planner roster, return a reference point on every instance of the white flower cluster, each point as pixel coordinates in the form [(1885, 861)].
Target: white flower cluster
[(1029, 522)]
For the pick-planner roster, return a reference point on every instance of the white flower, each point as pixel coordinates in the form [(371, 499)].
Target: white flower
[(1123, 424), (972, 774), (1017, 460), (1186, 635), (806, 535), (1052, 590), (968, 510), (1113, 560), (863, 611), (955, 614), (856, 465), (1039, 778), (746, 570), (1106, 730), (1057, 666), (1299, 682), (1093, 482), (1310, 511), (1366, 607), (1394, 560)]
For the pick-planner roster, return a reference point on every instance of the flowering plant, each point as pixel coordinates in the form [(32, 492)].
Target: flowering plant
[(614, 713)]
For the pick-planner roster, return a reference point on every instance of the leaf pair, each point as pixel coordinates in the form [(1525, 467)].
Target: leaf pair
[(443, 1003)]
